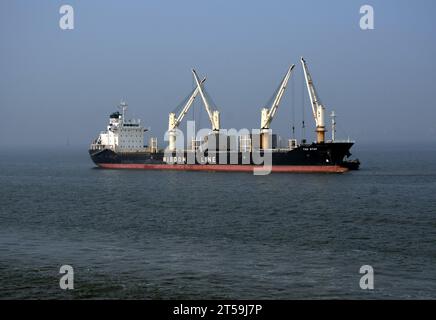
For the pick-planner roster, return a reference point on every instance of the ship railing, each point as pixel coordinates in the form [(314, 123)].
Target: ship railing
[(238, 150), (341, 141), (277, 149)]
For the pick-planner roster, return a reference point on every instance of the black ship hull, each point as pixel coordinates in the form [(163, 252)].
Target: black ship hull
[(315, 157)]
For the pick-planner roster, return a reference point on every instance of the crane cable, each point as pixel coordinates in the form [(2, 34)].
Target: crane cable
[(293, 106), (179, 108), (193, 104), (196, 114)]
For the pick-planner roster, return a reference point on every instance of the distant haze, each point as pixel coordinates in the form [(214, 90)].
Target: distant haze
[(59, 86)]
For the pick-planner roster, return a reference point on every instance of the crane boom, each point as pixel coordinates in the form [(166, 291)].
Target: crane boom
[(311, 89), (318, 109), (213, 115), (174, 123), (268, 114)]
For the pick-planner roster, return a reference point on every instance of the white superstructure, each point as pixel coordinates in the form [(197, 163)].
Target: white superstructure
[(121, 135)]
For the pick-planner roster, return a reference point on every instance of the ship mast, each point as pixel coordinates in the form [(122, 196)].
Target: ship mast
[(174, 121), (318, 109), (123, 106), (267, 115)]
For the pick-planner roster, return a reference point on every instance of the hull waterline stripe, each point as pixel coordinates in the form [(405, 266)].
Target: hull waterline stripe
[(225, 168)]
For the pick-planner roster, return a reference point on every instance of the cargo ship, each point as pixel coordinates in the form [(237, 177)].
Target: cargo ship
[(122, 146)]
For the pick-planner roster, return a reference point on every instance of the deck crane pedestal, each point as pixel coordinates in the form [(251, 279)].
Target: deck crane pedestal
[(174, 121), (267, 115), (318, 109)]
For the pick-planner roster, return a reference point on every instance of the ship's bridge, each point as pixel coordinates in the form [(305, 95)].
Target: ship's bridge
[(115, 115), (121, 134), (132, 123)]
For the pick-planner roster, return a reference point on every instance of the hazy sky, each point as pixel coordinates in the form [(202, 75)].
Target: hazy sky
[(57, 85)]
